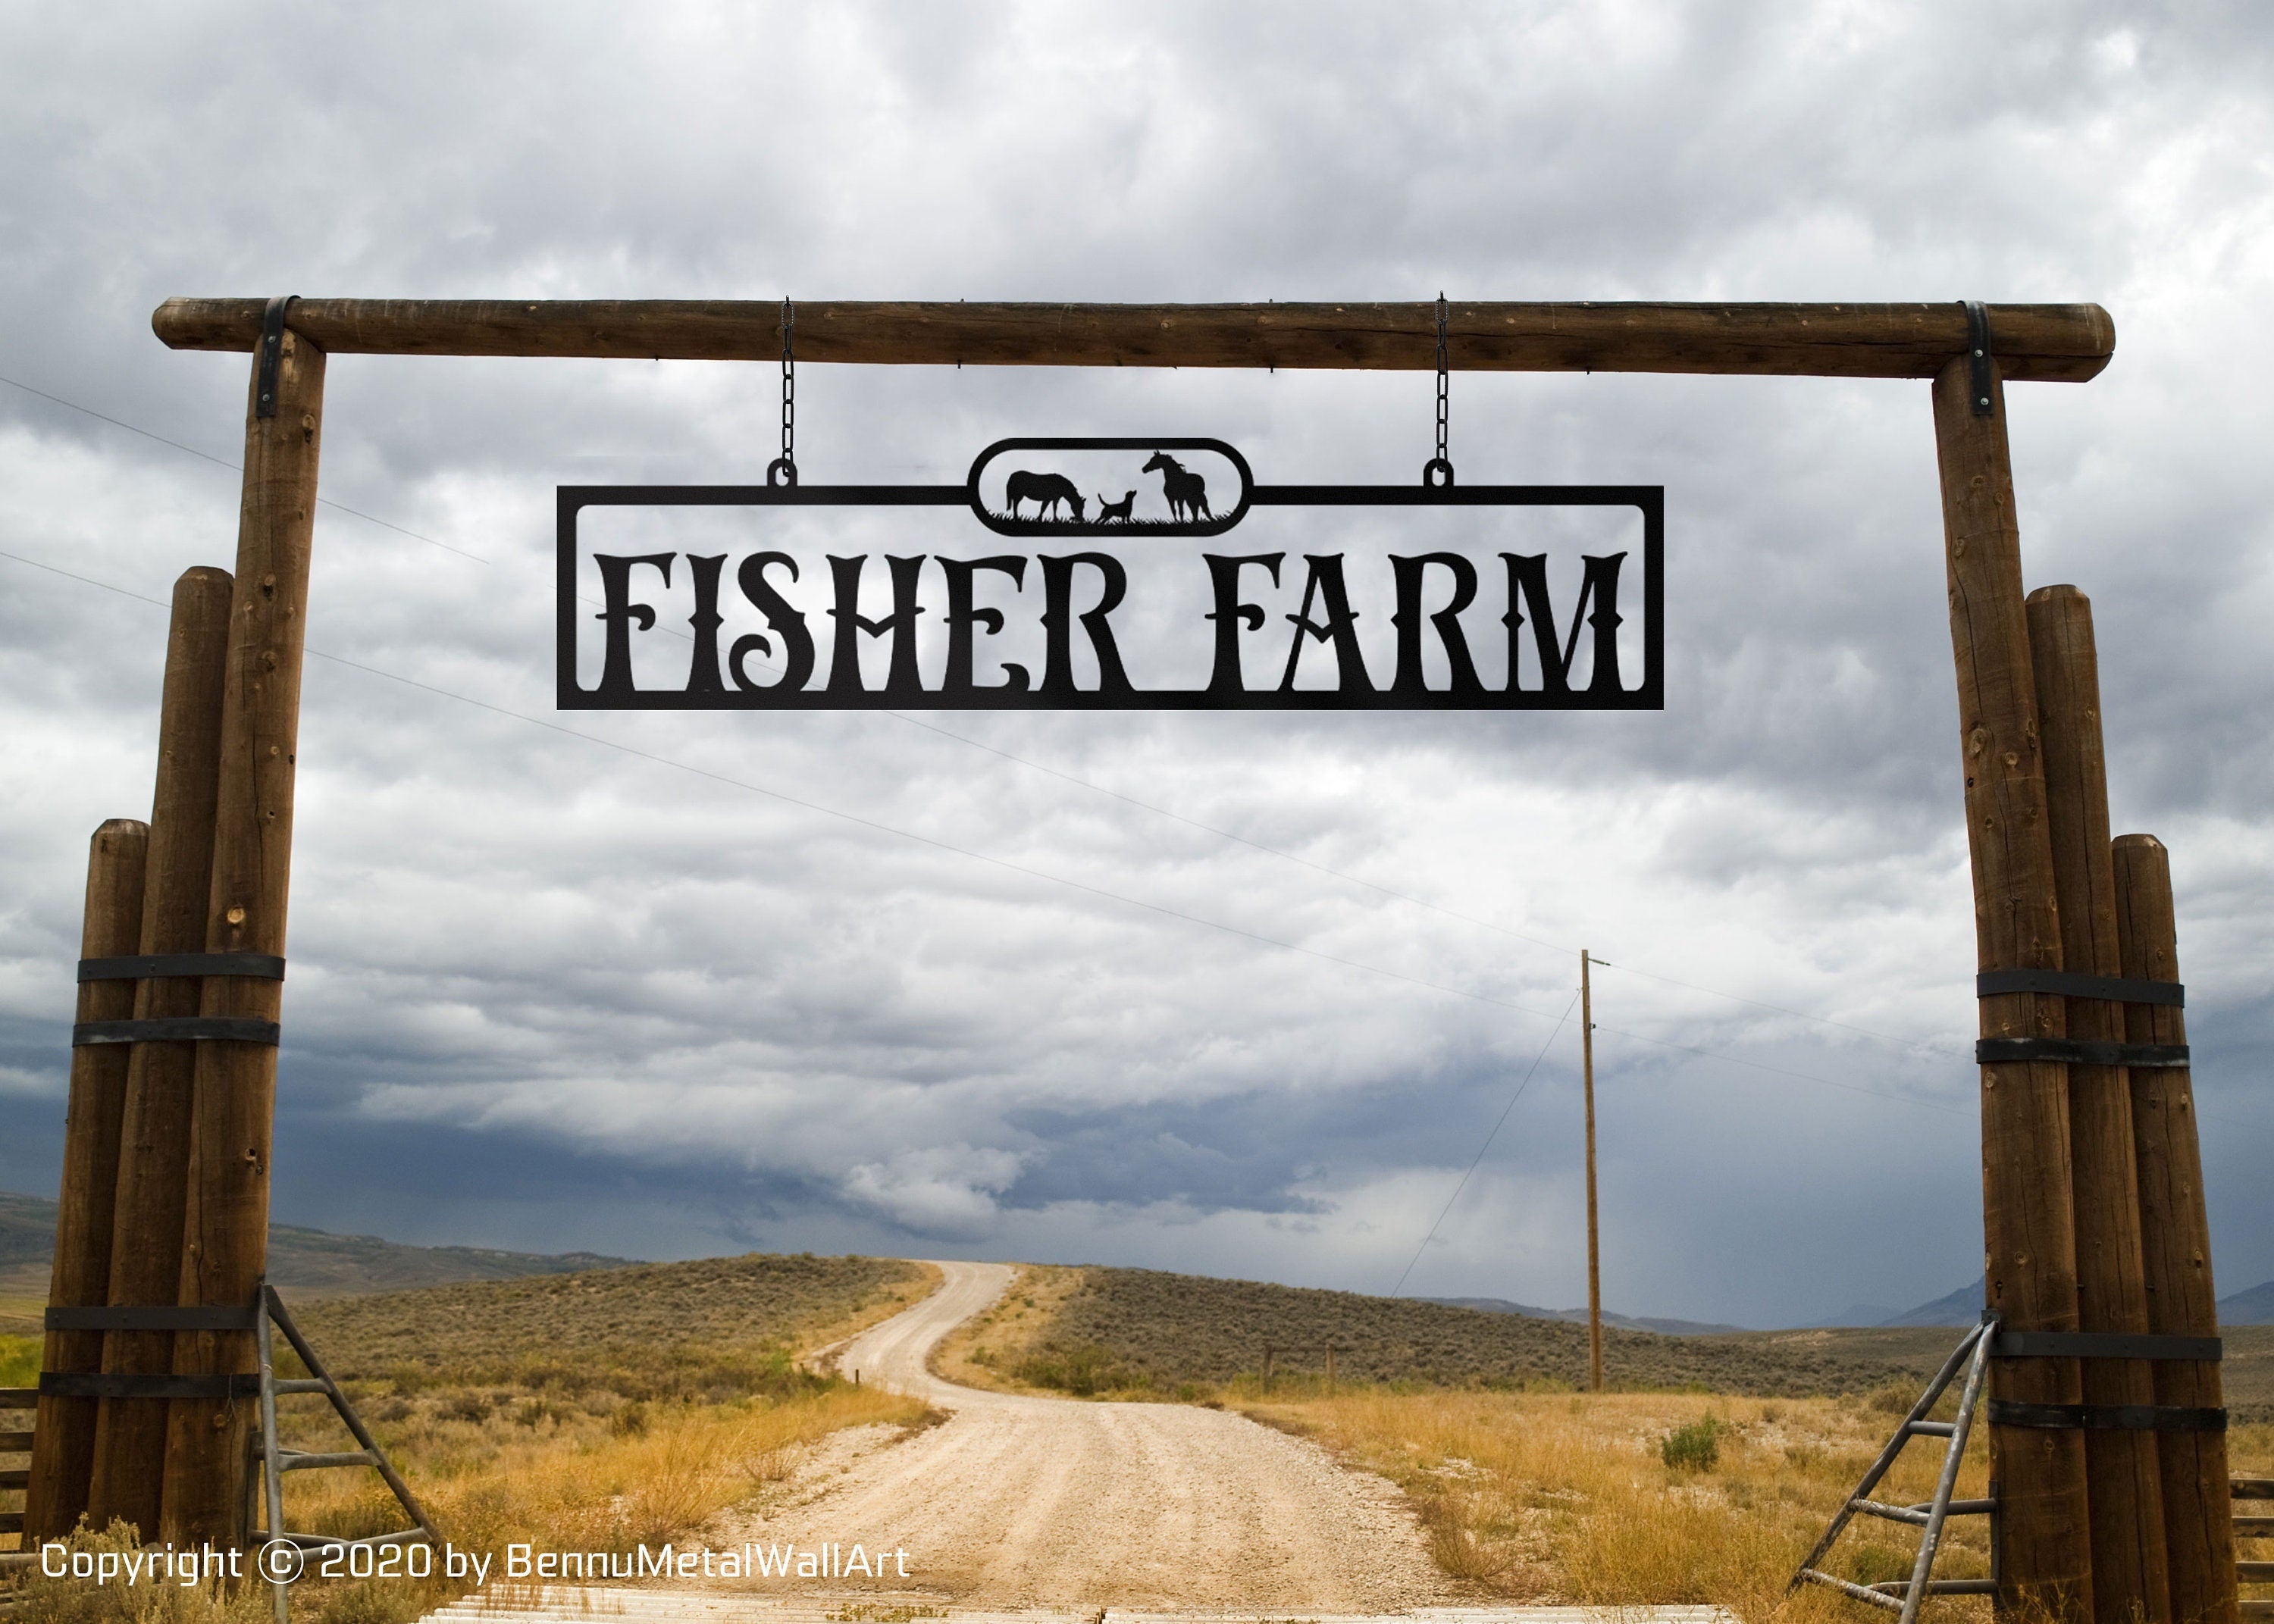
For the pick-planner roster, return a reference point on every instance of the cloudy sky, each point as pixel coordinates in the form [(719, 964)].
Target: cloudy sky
[(1237, 994)]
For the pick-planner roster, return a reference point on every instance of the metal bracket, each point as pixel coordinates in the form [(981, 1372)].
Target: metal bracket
[(272, 353), (1977, 357), (164, 966), (2103, 1345), (2073, 984), (2107, 1418), (2080, 1051), (107, 1384), (178, 1029), (196, 1317)]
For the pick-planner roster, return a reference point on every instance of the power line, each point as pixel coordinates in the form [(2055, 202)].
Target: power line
[(1009, 865), (1486, 1145), (238, 468), (1941, 1047)]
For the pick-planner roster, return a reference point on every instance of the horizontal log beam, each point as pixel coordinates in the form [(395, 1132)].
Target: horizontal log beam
[(2065, 344)]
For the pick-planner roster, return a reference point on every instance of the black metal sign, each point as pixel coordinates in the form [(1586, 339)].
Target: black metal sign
[(1334, 597)]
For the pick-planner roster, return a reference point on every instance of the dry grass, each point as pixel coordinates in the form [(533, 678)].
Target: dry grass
[(1568, 1497), (591, 1412), (985, 1351)]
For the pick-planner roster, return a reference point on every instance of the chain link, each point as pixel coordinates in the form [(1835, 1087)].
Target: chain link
[(783, 471), (1439, 470)]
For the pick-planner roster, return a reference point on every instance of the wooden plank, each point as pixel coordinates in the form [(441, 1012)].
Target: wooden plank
[(16, 1443), (226, 1223), (2175, 1245), (2030, 1230), (2255, 1573), (154, 1161), (2065, 344), (2131, 1583), (2253, 1488), (64, 1458), (19, 1398), (2253, 1528)]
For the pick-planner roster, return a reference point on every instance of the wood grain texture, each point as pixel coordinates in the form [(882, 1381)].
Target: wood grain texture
[(2029, 1225), (2130, 1584), (146, 1266), (63, 1437), (2175, 1247), (226, 1225), (2064, 343)]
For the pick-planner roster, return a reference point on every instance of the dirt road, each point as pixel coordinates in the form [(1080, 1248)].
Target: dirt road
[(1025, 1502)]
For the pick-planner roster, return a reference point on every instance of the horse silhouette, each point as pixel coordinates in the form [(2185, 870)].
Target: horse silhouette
[(1187, 491), (1114, 510), (1045, 491)]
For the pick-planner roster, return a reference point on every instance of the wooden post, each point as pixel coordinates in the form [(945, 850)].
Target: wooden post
[(2175, 1244), (1267, 1367), (2130, 1584), (1594, 1249), (62, 1436), (226, 1230), (2028, 1229), (1331, 1370), (145, 1265)]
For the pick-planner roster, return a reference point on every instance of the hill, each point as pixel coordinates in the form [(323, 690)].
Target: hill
[(303, 1261), (1664, 1327), (644, 1330), (1163, 1330)]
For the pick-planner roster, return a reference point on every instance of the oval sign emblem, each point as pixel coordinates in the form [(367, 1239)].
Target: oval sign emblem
[(1110, 487)]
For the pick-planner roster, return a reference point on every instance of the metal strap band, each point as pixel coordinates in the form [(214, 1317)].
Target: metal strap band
[(2073, 984), (272, 353), (99, 1384), (1977, 357), (167, 1318), (178, 1029), (164, 966), (2079, 1051), (2102, 1345), (2107, 1418)]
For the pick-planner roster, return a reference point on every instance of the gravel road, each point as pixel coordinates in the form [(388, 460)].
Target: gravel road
[(1022, 1502)]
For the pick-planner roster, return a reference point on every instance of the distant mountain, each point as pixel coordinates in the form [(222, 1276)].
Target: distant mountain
[(1664, 1327), (2254, 1306), (1963, 1306), (309, 1260)]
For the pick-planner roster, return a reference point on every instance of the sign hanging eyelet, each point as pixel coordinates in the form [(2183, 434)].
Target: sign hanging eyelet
[(1437, 473), (783, 470)]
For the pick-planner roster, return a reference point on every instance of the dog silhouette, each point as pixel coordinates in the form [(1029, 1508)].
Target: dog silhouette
[(1045, 491), (1187, 491), (1114, 510)]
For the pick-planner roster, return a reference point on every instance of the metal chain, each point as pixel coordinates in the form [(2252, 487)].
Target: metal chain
[(1438, 471), (783, 470)]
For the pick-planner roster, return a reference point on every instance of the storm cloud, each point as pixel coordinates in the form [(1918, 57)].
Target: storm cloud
[(1241, 994)]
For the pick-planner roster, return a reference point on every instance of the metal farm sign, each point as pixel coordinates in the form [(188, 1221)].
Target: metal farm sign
[(1156, 574)]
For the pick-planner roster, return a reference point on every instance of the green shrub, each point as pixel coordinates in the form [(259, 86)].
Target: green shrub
[(1083, 1372), (1695, 1447), (19, 1361)]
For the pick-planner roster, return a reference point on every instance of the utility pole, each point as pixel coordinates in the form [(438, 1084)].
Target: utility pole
[(1594, 1245)]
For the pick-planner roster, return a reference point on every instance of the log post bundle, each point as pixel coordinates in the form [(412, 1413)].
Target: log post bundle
[(2092, 1192)]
